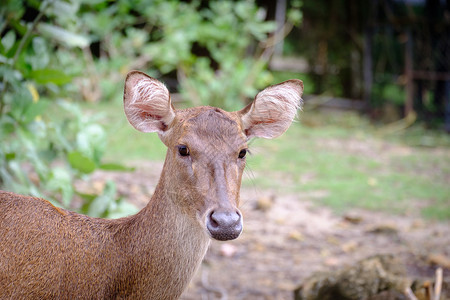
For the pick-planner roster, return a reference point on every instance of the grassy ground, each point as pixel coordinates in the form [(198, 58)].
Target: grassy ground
[(340, 159)]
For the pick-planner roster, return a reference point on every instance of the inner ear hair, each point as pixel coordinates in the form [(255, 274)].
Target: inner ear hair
[(147, 103), (273, 109)]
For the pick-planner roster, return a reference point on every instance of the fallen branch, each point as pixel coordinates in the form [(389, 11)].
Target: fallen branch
[(409, 294), (438, 284), (428, 290)]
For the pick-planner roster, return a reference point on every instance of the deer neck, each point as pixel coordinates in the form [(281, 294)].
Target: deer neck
[(164, 245)]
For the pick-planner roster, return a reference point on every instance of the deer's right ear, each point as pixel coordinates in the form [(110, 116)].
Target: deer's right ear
[(147, 103)]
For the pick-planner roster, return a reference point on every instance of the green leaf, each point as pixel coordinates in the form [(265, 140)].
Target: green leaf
[(87, 197), (91, 141), (33, 110), (295, 16), (64, 36), (116, 167), (7, 125), (41, 58), (64, 11), (20, 102), (54, 76), (122, 209), (100, 205), (4, 59), (81, 162), (10, 156), (60, 181), (87, 201), (8, 41)]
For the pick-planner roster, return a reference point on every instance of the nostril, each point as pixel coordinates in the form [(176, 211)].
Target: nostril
[(212, 220)]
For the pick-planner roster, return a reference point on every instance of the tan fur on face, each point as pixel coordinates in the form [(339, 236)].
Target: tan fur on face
[(210, 177)]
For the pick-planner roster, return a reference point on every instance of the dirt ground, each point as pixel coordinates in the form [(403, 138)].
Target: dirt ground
[(287, 238)]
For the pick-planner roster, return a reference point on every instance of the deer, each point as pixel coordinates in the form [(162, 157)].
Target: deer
[(47, 252)]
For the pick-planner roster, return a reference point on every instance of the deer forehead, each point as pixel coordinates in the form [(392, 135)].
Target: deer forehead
[(212, 127)]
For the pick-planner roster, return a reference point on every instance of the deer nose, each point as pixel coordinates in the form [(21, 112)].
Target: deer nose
[(224, 225)]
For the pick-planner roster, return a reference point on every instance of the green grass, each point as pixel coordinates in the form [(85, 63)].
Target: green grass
[(391, 176), (392, 173)]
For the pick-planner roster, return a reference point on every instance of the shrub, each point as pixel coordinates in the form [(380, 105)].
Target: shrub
[(47, 143)]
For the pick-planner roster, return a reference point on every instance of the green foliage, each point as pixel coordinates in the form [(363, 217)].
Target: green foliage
[(195, 43), (106, 205), (223, 74), (46, 142), (387, 91)]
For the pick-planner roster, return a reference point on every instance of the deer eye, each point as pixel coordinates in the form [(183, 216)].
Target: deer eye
[(242, 153), (183, 150)]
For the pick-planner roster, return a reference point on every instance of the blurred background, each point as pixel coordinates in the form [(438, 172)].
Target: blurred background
[(376, 71), (373, 133)]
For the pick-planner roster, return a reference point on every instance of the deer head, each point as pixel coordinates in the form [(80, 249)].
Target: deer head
[(207, 146)]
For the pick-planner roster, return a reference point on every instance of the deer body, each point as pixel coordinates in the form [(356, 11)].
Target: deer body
[(65, 255), (52, 253)]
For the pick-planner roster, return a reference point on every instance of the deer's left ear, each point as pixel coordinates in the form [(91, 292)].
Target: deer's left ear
[(272, 111)]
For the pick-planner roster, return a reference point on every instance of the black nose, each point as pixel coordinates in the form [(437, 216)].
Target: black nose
[(224, 225)]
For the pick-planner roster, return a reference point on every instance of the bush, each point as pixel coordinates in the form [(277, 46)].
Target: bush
[(213, 49), (47, 142)]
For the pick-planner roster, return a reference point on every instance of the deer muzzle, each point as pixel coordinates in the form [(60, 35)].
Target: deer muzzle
[(224, 225)]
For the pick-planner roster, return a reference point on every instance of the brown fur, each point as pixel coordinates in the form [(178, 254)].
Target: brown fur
[(52, 253), (73, 256)]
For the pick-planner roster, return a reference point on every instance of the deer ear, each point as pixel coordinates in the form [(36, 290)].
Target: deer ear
[(273, 110), (147, 103)]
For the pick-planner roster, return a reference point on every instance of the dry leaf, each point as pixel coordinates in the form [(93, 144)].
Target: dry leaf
[(354, 219), (349, 246), (439, 259), (296, 236), (384, 229), (333, 240), (98, 186), (264, 203)]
